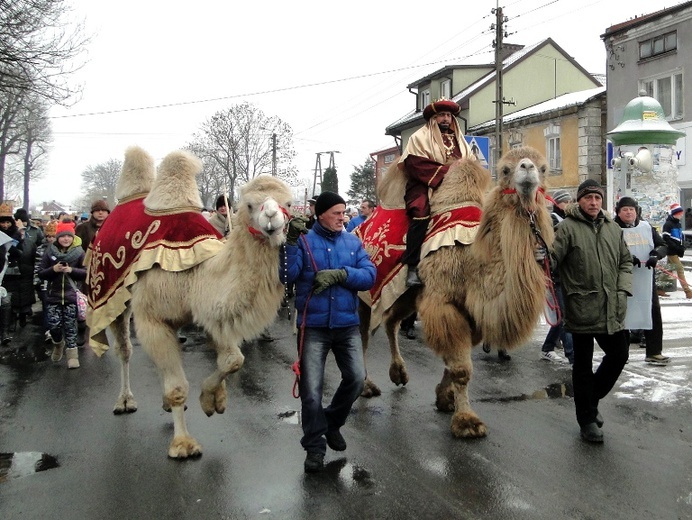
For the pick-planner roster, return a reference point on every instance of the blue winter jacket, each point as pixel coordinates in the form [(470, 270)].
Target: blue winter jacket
[(337, 306)]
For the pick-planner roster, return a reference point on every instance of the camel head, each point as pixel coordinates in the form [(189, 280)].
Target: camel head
[(264, 208), (522, 171)]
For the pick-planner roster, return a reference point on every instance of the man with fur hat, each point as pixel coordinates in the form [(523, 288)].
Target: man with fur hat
[(643, 307), (329, 266), (595, 268), (86, 231), (675, 240), (429, 153)]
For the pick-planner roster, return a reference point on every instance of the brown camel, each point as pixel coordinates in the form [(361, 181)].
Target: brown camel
[(491, 290)]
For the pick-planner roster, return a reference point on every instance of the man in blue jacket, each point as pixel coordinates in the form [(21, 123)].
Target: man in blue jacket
[(328, 266)]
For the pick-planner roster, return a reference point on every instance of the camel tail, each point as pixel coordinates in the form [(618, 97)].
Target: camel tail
[(137, 175), (175, 185)]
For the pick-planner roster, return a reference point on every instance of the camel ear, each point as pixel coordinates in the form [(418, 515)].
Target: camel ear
[(175, 186)]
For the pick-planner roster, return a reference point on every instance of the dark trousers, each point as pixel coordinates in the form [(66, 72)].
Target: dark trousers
[(654, 337), (590, 387), (316, 419)]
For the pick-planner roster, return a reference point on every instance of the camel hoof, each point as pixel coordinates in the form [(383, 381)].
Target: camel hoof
[(468, 426), (214, 401), (398, 374), (220, 398), (125, 404), (184, 447), (370, 389)]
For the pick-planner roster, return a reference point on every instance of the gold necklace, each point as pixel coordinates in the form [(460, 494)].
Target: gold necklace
[(448, 149)]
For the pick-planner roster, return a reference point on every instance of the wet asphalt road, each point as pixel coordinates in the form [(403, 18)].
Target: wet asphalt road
[(401, 461)]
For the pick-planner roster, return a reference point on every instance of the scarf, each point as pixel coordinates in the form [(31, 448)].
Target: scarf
[(70, 256), (427, 142)]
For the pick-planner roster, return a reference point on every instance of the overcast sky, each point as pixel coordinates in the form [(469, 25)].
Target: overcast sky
[(336, 72)]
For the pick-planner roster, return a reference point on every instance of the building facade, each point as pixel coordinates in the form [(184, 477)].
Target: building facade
[(653, 54)]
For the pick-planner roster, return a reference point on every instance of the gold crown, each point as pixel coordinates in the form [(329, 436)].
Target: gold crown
[(6, 210)]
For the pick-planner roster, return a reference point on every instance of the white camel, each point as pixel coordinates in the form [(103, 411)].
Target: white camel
[(231, 289)]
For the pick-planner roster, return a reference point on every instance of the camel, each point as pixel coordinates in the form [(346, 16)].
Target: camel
[(229, 288), (489, 288)]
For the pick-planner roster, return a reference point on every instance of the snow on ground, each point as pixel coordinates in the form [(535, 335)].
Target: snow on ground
[(667, 385)]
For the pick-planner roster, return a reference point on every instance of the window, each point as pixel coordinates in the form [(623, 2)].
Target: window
[(658, 45), (388, 158), (446, 88), (424, 99), (667, 90), (553, 149)]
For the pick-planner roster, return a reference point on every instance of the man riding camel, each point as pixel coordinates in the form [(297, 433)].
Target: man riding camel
[(429, 153)]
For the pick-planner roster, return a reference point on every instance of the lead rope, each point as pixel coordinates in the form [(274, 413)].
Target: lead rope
[(551, 297), (296, 365)]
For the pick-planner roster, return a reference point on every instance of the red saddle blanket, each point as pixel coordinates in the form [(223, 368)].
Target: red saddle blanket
[(384, 238), (131, 240)]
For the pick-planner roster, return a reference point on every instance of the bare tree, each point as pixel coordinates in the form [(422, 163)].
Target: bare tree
[(39, 44), (99, 181), (10, 107), (35, 135), (241, 142)]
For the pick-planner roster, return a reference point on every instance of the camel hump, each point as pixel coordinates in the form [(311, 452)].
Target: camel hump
[(137, 174), (175, 185), (392, 186)]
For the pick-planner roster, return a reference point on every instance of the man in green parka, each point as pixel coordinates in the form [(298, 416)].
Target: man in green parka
[(595, 268)]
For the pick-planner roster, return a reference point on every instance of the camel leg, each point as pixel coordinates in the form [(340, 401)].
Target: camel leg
[(449, 334), (397, 367), (121, 332), (370, 389), (229, 359), (160, 341)]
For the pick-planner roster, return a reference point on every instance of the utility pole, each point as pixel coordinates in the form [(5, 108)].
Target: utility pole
[(331, 158), (274, 154), (318, 171), (499, 100)]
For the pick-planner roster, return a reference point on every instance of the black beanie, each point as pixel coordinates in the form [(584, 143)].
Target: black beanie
[(589, 186), (626, 202), (326, 200), (21, 214)]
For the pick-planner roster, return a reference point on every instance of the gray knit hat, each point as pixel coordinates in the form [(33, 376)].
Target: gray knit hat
[(561, 196)]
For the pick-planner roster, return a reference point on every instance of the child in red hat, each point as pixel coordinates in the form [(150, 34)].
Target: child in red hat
[(62, 267)]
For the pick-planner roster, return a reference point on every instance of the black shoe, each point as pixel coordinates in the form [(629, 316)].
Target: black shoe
[(336, 441), (314, 462), (591, 433), (502, 354), (411, 333), (412, 279), (22, 320)]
